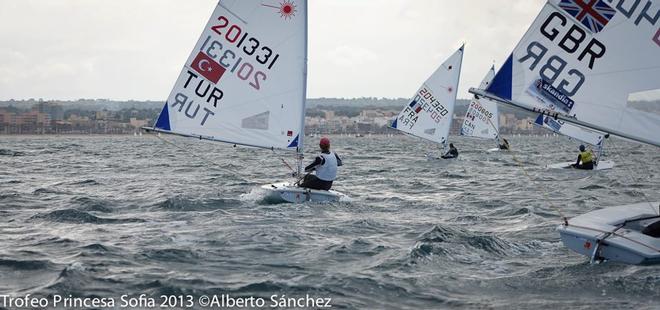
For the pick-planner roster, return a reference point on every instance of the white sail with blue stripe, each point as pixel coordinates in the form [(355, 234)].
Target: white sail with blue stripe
[(567, 129), (482, 117), (430, 112), (244, 82)]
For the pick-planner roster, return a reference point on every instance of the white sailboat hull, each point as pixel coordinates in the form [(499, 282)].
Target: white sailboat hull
[(630, 244), (494, 150), (288, 192), (438, 159), (602, 165)]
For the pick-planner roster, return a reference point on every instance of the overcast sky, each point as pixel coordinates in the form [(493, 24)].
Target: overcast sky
[(134, 49)]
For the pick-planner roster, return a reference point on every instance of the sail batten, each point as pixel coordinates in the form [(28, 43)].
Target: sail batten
[(244, 82), (581, 61), (430, 112)]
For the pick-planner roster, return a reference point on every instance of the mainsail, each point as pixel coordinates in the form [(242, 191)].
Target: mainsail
[(581, 60), (430, 112), (578, 133), (482, 117), (244, 82)]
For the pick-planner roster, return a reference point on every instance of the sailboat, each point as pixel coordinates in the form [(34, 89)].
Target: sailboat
[(593, 138), (430, 112), (245, 84), (579, 62), (482, 117)]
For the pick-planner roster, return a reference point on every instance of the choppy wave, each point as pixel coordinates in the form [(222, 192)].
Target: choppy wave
[(25, 264), (93, 216), (81, 217), (6, 152)]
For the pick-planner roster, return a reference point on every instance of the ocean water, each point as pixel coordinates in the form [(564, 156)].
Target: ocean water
[(105, 216)]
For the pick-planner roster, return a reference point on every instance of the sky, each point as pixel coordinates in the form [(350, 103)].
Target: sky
[(135, 49)]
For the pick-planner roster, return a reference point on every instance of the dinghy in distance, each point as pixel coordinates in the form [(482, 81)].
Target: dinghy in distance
[(591, 137), (602, 165), (494, 150), (482, 117), (439, 159), (245, 83), (430, 112)]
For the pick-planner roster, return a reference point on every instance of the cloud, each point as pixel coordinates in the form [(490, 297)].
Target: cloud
[(134, 49), (351, 56)]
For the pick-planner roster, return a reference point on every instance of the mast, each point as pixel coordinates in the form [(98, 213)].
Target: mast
[(563, 117), (301, 135), (458, 83)]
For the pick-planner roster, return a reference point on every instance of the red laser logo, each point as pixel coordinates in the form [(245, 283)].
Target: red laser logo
[(287, 8)]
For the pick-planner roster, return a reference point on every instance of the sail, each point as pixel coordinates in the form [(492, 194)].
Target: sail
[(582, 59), (244, 82), (430, 112), (482, 117), (576, 132)]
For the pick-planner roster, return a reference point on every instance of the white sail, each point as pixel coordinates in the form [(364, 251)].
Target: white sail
[(430, 112), (582, 60), (482, 117), (244, 82), (576, 132)]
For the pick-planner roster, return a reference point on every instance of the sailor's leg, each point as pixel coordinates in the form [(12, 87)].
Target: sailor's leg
[(311, 181), (307, 181), (327, 185)]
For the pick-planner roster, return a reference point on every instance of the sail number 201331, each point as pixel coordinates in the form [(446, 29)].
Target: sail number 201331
[(235, 37)]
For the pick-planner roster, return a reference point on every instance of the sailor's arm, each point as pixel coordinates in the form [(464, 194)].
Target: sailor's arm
[(339, 163), (317, 161)]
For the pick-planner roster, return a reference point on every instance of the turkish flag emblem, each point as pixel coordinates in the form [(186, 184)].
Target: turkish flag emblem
[(208, 68), (656, 39)]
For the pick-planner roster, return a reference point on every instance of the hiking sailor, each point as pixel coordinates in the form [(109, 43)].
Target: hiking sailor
[(325, 166), (452, 153), (505, 145), (585, 159)]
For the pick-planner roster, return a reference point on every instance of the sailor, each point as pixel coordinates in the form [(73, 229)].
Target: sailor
[(452, 153), (505, 145), (325, 165), (585, 159)]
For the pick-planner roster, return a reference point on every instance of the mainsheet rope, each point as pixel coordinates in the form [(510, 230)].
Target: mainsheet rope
[(631, 178), (522, 167), (202, 158), (219, 167)]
